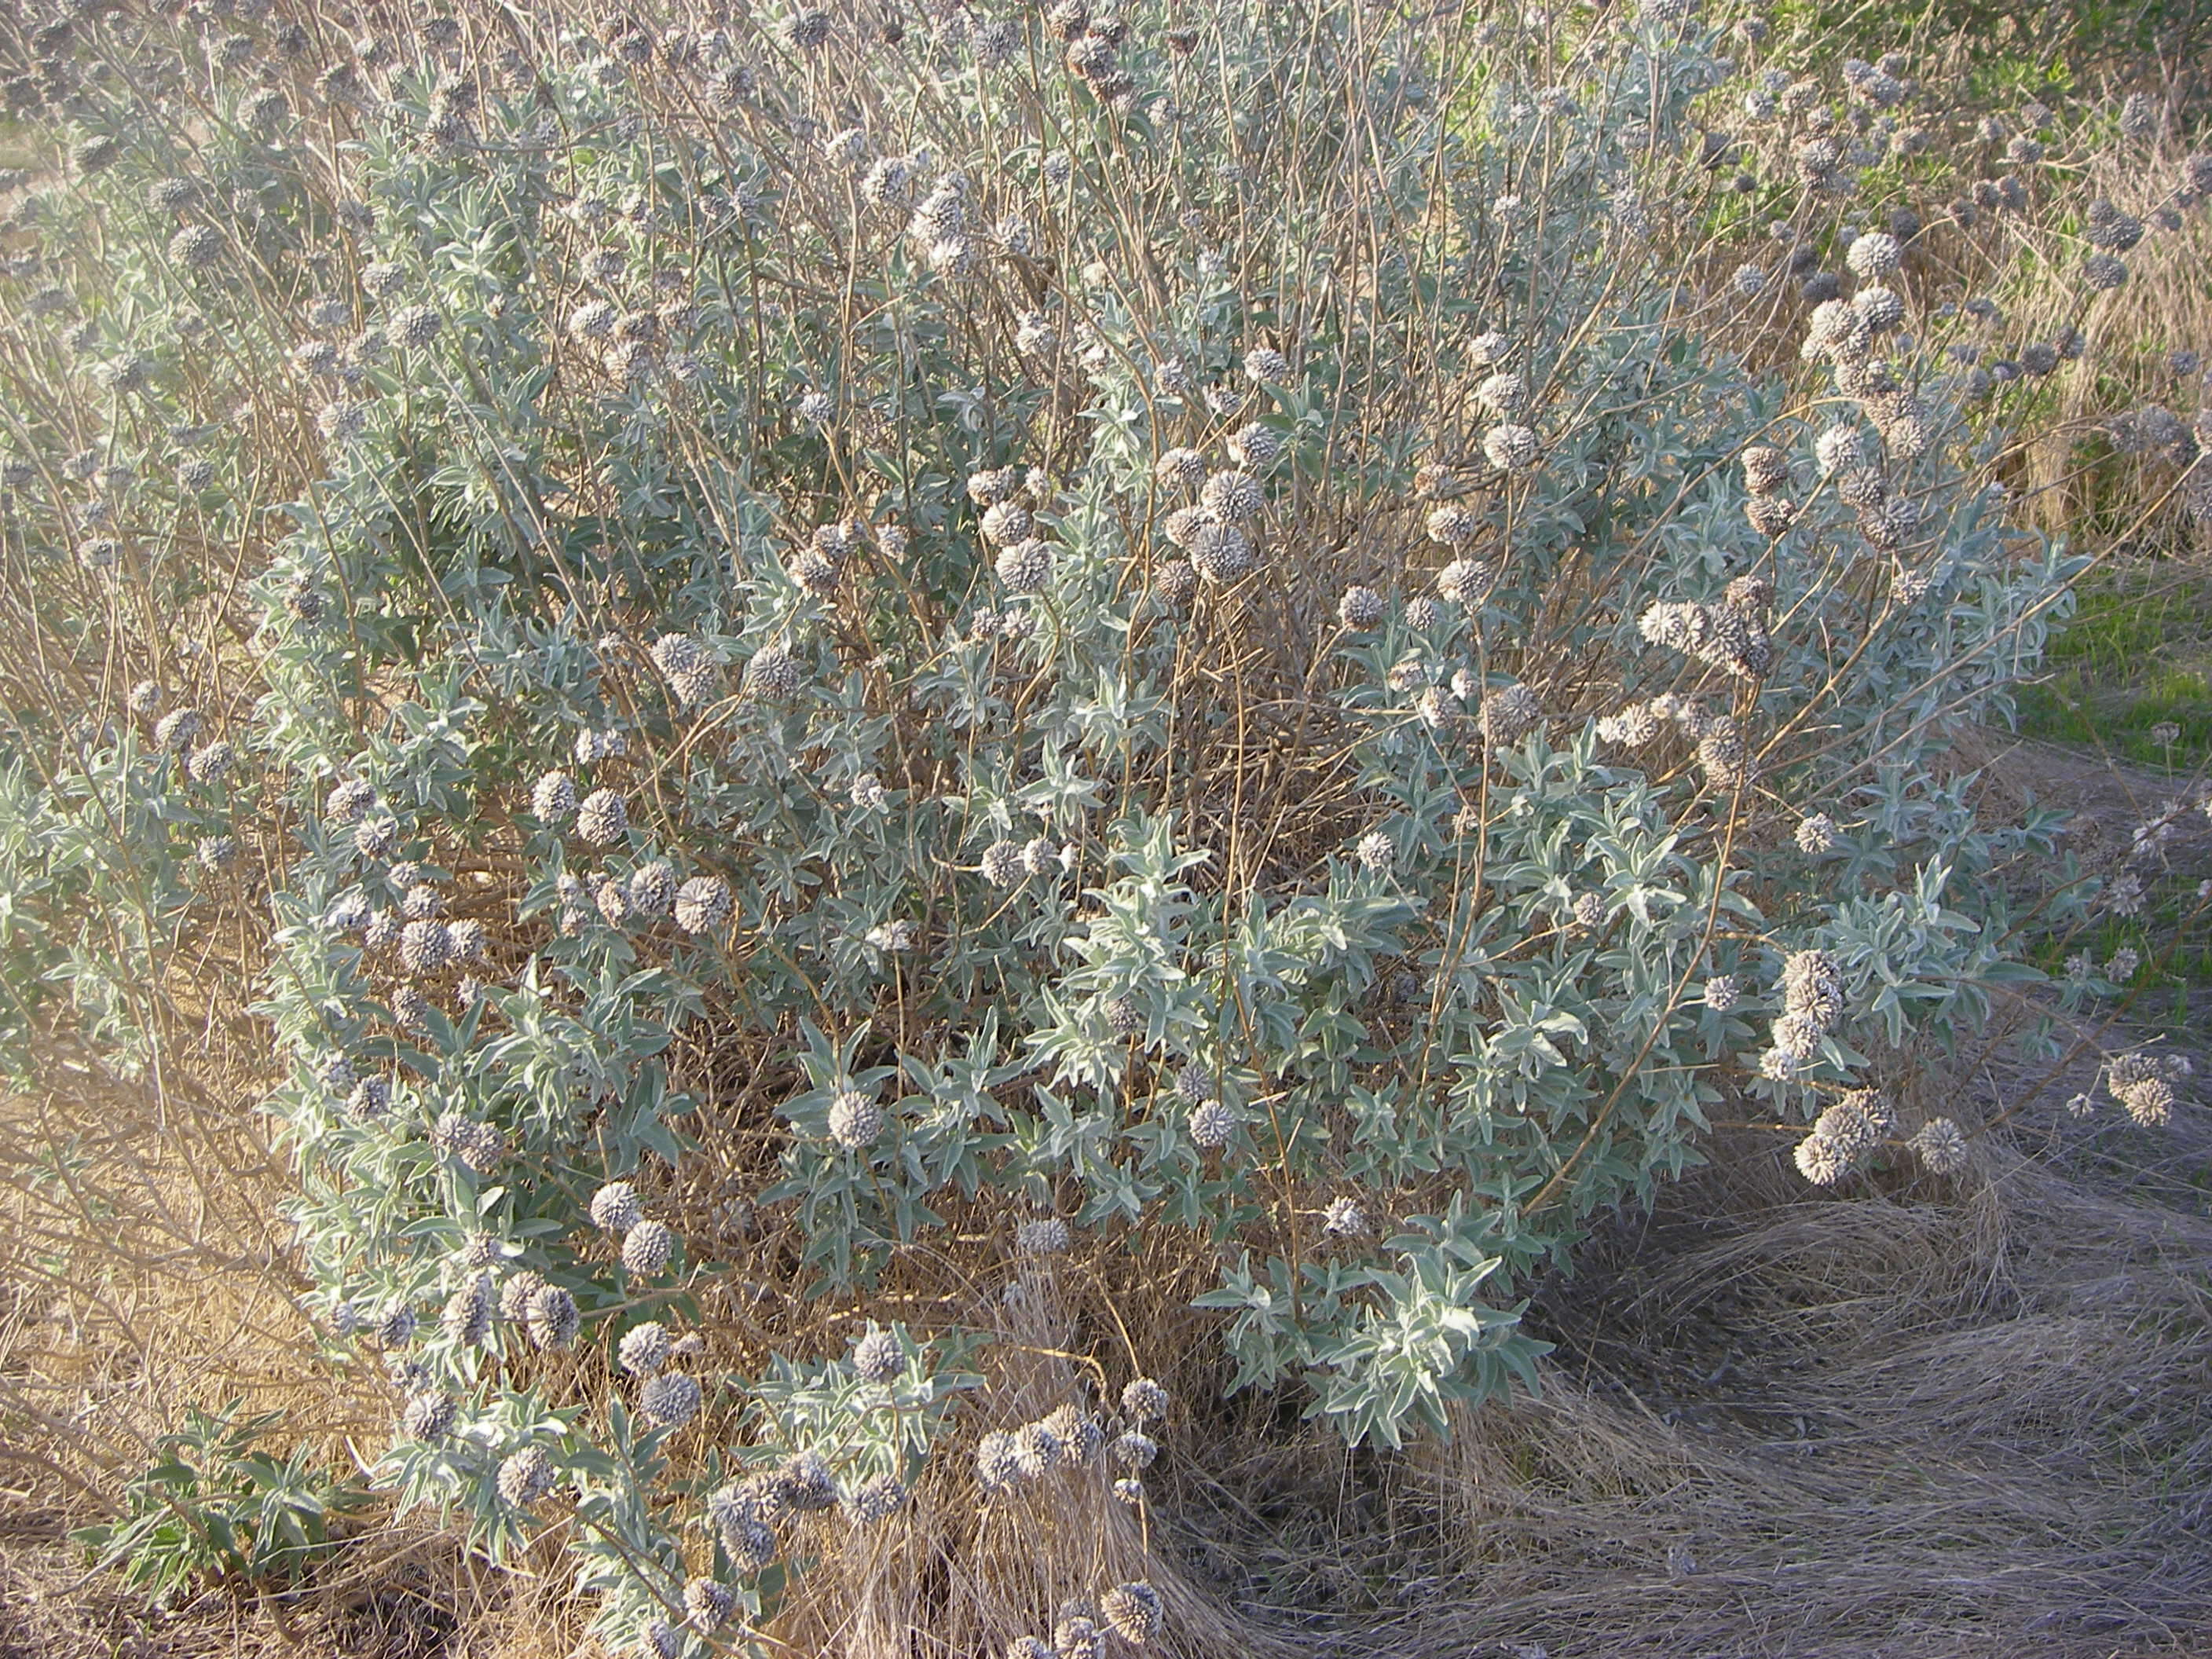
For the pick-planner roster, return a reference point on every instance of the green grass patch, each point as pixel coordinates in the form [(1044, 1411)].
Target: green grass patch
[(2130, 675)]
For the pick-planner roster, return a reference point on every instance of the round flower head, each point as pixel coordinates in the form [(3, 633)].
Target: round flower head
[(773, 674), (428, 1416), (415, 325), (370, 1100), (1875, 255), (1213, 1124), (1002, 864), (424, 947), (526, 1477), (644, 1348), (466, 1321), (179, 729), (1377, 851), (1136, 1612), (1125, 1017), (1255, 446), (856, 1120), (1941, 1147), (877, 1500), (615, 1207), (1222, 553), (998, 1469), (212, 765), (1883, 308), (2102, 272), (1509, 714), (1232, 497), (1135, 1450), (1502, 394), (1026, 567), (1766, 470), (603, 818), (554, 1319), (1454, 524), (707, 1604), (1820, 1161), (196, 248), (553, 798), (646, 1248), (1511, 448), (1048, 1236), (671, 1399), (1264, 365), (878, 1357), (1006, 522), (1180, 469), (651, 888), (702, 904), (1721, 993), (1817, 833), (1360, 609)]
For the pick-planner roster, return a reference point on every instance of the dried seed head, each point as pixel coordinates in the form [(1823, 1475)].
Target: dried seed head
[(1002, 864), (1766, 470), (1511, 448)]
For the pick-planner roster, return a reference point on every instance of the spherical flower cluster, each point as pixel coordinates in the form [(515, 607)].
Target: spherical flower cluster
[(1213, 1124), (553, 1318), (1817, 833), (1940, 1146), (526, 1477), (876, 1500), (645, 1250), (1511, 448), (1509, 713), (1045, 1235), (553, 798), (1025, 567), (708, 1605), (878, 1357), (1377, 851), (1002, 864), (615, 1207), (644, 1349), (670, 1400), (702, 905), (773, 674), (856, 1119), (1135, 1611), (1360, 609), (1766, 470), (603, 818), (690, 669)]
